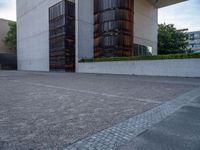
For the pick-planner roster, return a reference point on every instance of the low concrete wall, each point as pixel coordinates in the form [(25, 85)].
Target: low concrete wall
[(173, 67)]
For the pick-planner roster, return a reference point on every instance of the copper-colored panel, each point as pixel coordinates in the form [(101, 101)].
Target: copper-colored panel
[(62, 36), (113, 28)]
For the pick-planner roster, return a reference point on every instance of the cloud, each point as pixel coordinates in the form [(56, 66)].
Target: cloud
[(183, 15), (4, 3), (8, 9)]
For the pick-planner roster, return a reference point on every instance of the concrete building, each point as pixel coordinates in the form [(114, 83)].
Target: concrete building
[(194, 41), (92, 34)]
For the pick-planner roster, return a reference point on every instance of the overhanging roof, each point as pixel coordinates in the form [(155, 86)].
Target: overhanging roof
[(164, 3)]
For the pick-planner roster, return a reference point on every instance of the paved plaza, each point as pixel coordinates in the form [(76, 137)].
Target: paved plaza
[(42, 111), (179, 131)]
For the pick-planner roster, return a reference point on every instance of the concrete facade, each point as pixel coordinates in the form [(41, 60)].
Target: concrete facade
[(145, 24), (33, 30), (164, 3), (174, 67), (33, 33), (33, 36), (84, 29), (4, 28)]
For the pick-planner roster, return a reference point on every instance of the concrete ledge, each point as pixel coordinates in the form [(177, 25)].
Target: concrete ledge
[(172, 67)]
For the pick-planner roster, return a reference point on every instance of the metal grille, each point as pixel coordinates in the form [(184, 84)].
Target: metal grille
[(62, 36), (113, 28)]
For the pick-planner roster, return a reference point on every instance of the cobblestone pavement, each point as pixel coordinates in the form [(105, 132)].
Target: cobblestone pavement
[(57, 110), (179, 131)]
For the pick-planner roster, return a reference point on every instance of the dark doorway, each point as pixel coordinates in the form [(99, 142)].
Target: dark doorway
[(62, 36), (8, 61)]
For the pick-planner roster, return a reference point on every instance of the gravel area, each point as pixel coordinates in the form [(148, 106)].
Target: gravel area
[(53, 110)]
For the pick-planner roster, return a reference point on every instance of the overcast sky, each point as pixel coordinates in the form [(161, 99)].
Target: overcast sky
[(183, 15), (8, 9)]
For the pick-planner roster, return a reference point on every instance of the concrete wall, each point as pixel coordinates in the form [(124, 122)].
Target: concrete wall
[(145, 24), (84, 29), (33, 34), (4, 28), (175, 67), (164, 3)]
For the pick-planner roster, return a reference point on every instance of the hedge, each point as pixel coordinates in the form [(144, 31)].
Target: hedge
[(136, 58)]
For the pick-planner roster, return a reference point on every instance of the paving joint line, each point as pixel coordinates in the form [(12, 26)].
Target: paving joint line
[(90, 92)]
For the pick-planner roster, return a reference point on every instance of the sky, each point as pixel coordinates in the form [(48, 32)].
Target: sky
[(8, 9), (182, 15)]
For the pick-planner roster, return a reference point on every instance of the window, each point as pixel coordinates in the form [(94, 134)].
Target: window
[(141, 50)]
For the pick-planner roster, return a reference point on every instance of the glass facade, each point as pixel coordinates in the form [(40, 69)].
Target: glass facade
[(141, 50), (113, 28), (62, 36), (194, 41)]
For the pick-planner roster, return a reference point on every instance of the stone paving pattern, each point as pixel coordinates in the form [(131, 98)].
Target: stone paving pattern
[(55, 110), (179, 131)]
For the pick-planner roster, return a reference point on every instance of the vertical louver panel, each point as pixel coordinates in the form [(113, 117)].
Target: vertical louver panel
[(62, 36), (113, 28)]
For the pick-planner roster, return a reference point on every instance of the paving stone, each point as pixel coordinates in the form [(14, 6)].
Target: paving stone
[(179, 131), (138, 124)]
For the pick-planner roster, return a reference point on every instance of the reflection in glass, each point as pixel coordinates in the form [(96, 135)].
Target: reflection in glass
[(141, 50)]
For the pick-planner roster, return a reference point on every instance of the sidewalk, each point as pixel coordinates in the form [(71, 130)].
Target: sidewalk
[(179, 131)]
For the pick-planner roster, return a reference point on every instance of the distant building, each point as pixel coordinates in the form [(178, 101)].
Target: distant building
[(194, 41), (7, 56)]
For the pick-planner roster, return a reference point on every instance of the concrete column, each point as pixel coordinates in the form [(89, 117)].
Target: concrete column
[(146, 24), (84, 29)]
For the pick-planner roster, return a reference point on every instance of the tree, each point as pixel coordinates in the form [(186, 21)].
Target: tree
[(10, 39), (171, 40)]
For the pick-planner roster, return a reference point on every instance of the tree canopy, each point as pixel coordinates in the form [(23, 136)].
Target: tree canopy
[(171, 40), (11, 38)]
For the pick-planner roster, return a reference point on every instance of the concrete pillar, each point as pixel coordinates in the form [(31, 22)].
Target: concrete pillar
[(84, 29), (146, 24)]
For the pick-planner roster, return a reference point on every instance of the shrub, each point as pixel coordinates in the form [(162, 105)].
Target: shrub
[(136, 58)]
